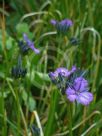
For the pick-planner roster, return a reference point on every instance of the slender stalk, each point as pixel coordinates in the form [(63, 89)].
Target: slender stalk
[(53, 105), (2, 111), (59, 39), (20, 108), (70, 119), (2, 100), (38, 122), (54, 97), (18, 112)]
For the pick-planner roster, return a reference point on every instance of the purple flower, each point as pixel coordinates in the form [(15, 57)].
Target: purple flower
[(79, 91), (53, 22), (73, 69), (62, 26), (52, 77), (60, 77), (66, 22), (62, 71), (30, 43)]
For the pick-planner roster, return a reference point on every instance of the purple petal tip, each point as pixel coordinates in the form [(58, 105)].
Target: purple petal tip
[(53, 22)]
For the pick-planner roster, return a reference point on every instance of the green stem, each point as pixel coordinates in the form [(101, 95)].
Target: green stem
[(59, 39), (50, 123), (3, 125), (20, 108), (70, 119), (18, 111)]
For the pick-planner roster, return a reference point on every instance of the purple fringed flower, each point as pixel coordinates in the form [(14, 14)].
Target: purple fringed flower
[(66, 22), (54, 76), (30, 44), (62, 26), (60, 77), (62, 71), (79, 92)]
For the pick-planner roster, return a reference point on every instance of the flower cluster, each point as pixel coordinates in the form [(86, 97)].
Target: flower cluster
[(60, 76), (62, 26), (25, 45), (73, 84)]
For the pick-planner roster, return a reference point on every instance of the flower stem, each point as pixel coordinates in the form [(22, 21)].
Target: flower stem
[(53, 105), (70, 119)]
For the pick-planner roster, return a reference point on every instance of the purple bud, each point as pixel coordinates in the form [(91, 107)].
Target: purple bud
[(53, 22), (66, 22), (30, 44)]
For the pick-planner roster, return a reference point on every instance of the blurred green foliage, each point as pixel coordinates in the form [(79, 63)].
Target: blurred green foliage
[(19, 98)]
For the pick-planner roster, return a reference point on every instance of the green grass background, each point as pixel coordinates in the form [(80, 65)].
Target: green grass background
[(20, 98)]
